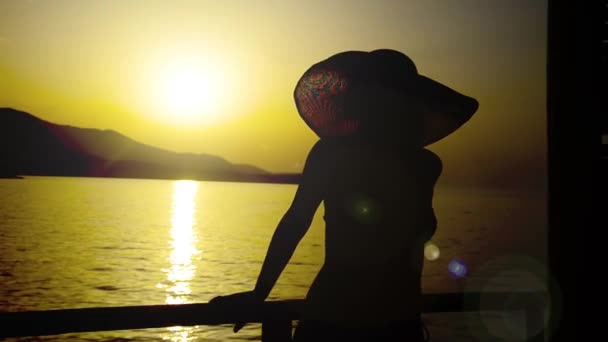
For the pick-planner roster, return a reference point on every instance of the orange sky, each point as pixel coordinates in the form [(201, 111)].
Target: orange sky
[(126, 65)]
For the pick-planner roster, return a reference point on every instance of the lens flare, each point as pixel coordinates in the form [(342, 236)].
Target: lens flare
[(364, 210), (529, 284), (431, 251), (457, 268)]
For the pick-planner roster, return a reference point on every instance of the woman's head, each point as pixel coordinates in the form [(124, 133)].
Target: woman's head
[(374, 95)]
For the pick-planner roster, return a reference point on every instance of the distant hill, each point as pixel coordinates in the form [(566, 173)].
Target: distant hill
[(31, 146)]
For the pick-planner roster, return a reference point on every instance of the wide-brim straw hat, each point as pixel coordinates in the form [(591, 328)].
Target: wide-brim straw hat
[(345, 94)]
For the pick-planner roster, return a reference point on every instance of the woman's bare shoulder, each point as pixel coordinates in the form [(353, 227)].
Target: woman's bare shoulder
[(318, 151), (318, 159), (324, 150)]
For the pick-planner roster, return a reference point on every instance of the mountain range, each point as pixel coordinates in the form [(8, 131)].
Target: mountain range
[(32, 146)]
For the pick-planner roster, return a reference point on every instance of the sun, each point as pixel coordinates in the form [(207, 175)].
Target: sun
[(190, 88), (189, 91)]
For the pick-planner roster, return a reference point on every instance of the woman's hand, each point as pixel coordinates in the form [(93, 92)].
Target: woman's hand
[(242, 300)]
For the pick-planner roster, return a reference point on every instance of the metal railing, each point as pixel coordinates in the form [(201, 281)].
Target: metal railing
[(276, 316)]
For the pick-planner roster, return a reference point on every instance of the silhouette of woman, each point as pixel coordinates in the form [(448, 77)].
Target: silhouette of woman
[(374, 114)]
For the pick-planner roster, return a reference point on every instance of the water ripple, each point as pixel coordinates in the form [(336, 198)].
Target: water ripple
[(107, 288)]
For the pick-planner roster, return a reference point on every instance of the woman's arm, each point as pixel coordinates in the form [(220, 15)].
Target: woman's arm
[(295, 223), (288, 233), (284, 241)]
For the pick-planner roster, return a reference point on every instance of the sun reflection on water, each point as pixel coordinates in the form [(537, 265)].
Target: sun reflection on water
[(183, 251)]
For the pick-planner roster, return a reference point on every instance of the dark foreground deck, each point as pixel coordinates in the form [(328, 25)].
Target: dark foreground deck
[(276, 316)]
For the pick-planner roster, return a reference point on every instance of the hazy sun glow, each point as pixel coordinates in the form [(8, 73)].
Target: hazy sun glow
[(188, 91)]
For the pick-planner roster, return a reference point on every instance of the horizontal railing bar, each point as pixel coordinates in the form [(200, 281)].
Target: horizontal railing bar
[(53, 322)]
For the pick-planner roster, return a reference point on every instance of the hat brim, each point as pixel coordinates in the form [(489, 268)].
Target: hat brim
[(444, 109)]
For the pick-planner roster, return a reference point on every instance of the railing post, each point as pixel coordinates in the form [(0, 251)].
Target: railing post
[(276, 330), (535, 323)]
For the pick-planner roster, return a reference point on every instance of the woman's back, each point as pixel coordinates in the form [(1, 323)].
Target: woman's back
[(378, 213)]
